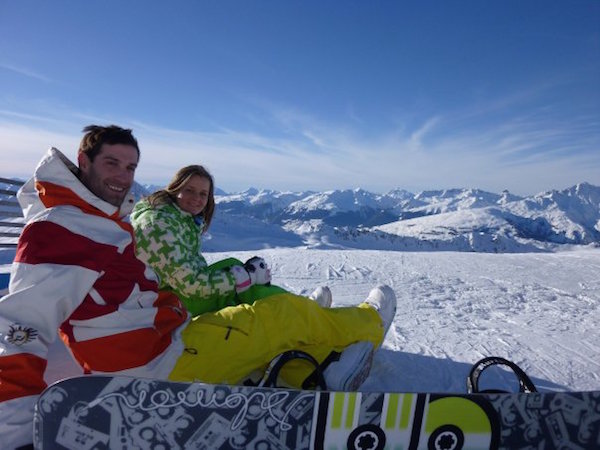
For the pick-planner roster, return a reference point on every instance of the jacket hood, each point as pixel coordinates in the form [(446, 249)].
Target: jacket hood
[(55, 183)]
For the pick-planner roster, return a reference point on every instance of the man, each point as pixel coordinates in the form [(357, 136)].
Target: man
[(75, 270)]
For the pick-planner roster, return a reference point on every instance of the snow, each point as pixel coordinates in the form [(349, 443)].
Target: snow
[(535, 302), (540, 310)]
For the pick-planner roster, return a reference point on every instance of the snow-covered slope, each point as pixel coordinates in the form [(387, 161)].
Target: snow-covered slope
[(233, 232), (539, 310)]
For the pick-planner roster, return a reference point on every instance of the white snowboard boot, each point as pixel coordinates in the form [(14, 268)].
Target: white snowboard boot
[(352, 369), (322, 295), (383, 299), (354, 364)]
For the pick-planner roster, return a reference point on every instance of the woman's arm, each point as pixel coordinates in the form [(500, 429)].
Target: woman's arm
[(169, 243)]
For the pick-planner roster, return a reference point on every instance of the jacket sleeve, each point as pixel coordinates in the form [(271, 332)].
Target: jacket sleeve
[(46, 286), (168, 245)]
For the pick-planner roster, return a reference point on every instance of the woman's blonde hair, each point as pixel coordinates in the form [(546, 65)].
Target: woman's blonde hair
[(169, 194)]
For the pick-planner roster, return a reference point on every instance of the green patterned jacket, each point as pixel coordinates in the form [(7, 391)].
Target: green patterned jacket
[(168, 240)]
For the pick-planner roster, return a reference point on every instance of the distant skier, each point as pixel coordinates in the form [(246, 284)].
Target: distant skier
[(75, 270)]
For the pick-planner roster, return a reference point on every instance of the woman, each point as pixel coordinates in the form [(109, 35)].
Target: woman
[(168, 226)]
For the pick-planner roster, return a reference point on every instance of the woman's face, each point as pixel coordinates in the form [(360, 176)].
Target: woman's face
[(193, 196)]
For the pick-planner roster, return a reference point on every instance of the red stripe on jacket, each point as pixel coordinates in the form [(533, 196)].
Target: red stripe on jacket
[(132, 348), (39, 240), (119, 352), (21, 376)]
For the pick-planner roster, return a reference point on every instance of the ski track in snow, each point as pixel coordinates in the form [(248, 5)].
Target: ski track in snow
[(539, 310)]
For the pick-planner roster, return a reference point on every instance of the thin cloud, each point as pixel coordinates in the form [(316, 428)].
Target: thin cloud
[(25, 72), (416, 137), (524, 154), (517, 155)]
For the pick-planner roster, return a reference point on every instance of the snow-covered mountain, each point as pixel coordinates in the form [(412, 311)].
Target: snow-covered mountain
[(448, 220), (455, 219)]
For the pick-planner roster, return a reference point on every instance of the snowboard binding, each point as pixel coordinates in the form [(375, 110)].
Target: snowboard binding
[(525, 383), (272, 371)]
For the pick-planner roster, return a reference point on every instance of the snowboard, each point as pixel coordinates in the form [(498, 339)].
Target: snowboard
[(116, 412)]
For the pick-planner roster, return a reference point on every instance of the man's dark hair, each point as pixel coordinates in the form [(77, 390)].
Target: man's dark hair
[(96, 136)]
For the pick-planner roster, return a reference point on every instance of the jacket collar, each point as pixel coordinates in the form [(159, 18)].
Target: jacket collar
[(55, 182)]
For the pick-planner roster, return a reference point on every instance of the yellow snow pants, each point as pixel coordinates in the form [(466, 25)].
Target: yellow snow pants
[(227, 345)]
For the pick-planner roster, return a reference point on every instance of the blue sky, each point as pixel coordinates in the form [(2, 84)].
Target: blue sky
[(319, 95)]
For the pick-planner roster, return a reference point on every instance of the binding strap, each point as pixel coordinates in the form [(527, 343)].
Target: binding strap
[(272, 371), (525, 383), (312, 380)]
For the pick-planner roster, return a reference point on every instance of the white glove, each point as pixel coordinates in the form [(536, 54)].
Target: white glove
[(259, 271), (242, 278)]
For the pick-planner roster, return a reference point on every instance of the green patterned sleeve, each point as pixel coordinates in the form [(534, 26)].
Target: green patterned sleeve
[(170, 245)]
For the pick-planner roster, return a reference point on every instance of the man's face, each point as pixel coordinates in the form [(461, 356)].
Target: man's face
[(110, 175)]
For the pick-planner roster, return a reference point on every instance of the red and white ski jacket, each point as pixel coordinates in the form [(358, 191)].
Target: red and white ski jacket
[(76, 272)]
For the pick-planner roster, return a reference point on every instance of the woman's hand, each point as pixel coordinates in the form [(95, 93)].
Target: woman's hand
[(254, 271), (258, 269)]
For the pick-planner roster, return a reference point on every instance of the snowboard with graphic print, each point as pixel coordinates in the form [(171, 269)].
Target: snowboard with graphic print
[(104, 412)]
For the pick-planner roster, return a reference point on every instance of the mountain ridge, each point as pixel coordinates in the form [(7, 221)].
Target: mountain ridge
[(459, 219)]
